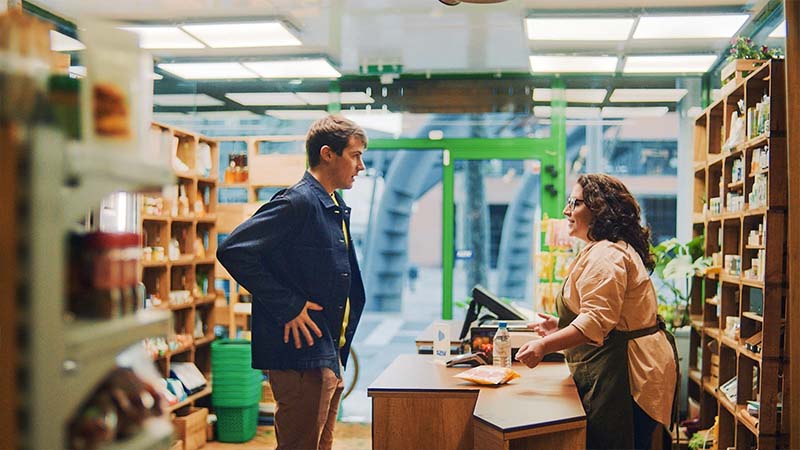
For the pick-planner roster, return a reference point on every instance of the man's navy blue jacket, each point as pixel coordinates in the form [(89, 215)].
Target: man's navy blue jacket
[(293, 250)]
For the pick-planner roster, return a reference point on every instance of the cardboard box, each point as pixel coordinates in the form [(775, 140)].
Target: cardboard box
[(191, 428)]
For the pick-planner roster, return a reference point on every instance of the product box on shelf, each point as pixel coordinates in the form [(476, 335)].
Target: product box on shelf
[(191, 428)]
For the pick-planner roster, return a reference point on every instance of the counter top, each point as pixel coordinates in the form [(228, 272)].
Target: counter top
[(543, 396)]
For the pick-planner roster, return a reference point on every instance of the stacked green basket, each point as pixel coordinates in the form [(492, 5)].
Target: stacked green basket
[(236, 391)]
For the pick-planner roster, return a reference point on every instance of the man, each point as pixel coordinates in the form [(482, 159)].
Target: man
[(296, 258)]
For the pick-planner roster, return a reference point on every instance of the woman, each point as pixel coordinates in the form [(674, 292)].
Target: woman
[(620, 355)]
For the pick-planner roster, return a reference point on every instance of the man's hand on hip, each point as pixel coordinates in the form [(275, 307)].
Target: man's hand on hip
[(302, 324)]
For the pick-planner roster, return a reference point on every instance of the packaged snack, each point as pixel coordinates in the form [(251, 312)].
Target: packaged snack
[(488, 375)]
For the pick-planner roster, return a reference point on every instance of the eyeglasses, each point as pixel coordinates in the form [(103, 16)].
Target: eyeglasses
[(573, 203)]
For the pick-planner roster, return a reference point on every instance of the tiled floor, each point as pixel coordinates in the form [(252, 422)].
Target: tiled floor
[(348, 436)]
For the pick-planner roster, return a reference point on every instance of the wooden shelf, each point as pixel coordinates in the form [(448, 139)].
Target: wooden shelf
[(750, 422), (204, 340), (712, 332), (753, 316), (729, 342), (182, 219), (186, 176), (730, 279), (753, 283), (760, 172), (184, 260), (207, 180), (696, 376), (180, 306), (234, 185), (150, 263), (206, 300), (699, 166), (754, 247), (725, 401), (208, 218), (191, 399), (698, 218), (697, 321), (712, 301), (755, 142), (745, 352), (710, 388), (148, 218), (735, 185), (205, 261), (755, 212)]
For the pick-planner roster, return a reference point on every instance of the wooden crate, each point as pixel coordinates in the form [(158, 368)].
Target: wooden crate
[(191, 428), (736, 71)]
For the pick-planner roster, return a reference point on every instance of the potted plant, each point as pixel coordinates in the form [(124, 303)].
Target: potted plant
[(744, 56), (676, 263)]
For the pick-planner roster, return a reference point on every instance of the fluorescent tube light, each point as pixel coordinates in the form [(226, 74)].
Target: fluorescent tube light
[(163, 37), (572, 95), (266, 98), (572, 64), (298, 68), (377, 119), (624, 113), (695, 26), (669, 64), (60, 42), (246, 34), (324, 98), (186, 100), (571, 112), (297, 114), (208, 71), (647, 95), (779, 31), (578, 29), (225, 115)]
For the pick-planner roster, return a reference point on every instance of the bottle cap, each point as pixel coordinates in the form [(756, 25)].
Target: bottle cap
[(502, 324)]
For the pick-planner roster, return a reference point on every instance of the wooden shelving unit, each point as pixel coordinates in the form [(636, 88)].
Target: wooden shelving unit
[(757, 302), (193, 271)]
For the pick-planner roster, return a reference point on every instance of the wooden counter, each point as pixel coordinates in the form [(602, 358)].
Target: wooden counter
[(417, 403)]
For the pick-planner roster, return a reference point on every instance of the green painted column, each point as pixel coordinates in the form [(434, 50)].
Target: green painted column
[(448, 244)]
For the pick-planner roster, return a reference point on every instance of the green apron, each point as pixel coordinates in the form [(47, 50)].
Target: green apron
[(601, 376)]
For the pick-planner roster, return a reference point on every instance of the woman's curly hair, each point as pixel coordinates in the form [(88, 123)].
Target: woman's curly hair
[(615, 214)]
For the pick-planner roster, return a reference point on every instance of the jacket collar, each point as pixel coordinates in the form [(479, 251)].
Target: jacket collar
[(322, 194)]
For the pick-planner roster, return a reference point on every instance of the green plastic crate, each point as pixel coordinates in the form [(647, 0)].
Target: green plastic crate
[(236, 424)]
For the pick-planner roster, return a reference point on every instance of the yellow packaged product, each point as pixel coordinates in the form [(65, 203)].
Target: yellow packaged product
[(488, 375)]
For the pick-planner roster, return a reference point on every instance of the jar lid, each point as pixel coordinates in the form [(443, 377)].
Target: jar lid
[(102, 239)]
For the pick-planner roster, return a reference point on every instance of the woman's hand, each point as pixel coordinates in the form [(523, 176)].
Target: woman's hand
[(531, 353), (546, 326)]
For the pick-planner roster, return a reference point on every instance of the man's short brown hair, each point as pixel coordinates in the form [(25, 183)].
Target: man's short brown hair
[(335, 132)]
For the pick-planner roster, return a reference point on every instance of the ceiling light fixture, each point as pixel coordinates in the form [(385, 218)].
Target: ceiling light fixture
[(266, 98), (455, 2), (162, 37), (647, 95), (626, 113), (208, 71), (578, 29), (779, 31), (669, 64), (296, 114), (60, 42), (186, 100), (241, 35), (704, 26), (573, 64), (325, 98), (299, 68), (572, 95), (578, 112)]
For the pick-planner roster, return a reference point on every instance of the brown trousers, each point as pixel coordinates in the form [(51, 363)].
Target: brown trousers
[(307, 403)]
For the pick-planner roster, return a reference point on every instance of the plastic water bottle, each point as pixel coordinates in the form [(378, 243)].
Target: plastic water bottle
[(501, 349)]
